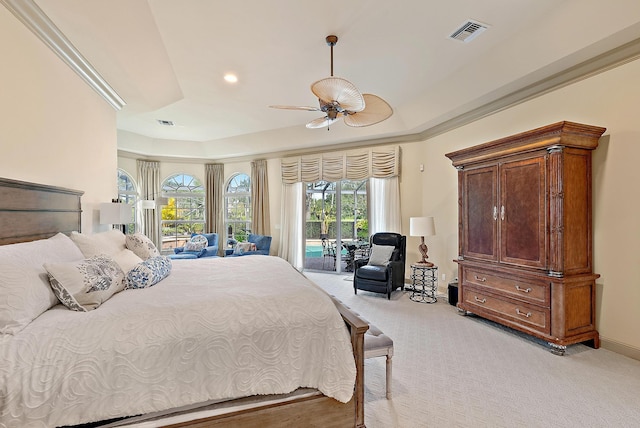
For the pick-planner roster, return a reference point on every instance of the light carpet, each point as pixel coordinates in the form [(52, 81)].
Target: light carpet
[(462, 371)]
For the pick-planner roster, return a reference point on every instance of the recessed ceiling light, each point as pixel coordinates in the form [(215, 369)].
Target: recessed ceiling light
[(231, 78)]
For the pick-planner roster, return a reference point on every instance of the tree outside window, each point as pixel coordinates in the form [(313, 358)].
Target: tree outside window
[(237, 201), (184, 213), (322, 210)]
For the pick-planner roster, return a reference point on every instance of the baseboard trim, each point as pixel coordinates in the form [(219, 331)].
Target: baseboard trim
[(620, 348)]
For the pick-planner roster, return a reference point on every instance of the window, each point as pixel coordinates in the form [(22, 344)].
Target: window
[(184, 212), (237, 204), (128, 194), (336, 214)]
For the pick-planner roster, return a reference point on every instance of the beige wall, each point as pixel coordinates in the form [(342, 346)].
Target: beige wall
[(54, 128), (607, 99), (610, 100)]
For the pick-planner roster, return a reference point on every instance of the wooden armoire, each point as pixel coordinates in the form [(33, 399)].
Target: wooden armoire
[(525, 232)]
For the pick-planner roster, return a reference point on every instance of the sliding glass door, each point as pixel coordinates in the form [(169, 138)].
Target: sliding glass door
[(336, 224)]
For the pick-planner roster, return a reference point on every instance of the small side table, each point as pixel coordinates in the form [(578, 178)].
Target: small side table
[(424, 283)]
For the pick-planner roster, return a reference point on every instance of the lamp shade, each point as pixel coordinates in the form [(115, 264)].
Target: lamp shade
[(151, 204), (147, 204), (422, 226), (116, 213)]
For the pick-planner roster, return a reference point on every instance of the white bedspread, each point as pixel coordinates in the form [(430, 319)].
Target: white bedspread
[(215, 328)]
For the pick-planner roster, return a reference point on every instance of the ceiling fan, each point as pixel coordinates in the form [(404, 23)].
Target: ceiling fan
[(339, 98)]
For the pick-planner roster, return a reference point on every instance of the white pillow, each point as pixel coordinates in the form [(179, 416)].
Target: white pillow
[(109, 242), (126, 259), (25, 292), (380, 254), (84, 285), (22, 297), (142, 246), (112, 243)]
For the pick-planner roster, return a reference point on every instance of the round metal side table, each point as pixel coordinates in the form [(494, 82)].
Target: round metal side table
[(424, 283)]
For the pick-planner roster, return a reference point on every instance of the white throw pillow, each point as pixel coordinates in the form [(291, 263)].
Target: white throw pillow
[(112, 243), (22, 297), (109, 242), (25, 292), (126, 259), (84, 285), (142, 246), (380, 254)]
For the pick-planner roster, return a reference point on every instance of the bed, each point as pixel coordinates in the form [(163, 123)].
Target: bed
[(218, 342)]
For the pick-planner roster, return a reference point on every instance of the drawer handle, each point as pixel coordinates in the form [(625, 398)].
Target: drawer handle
[(480, 300), (477, 278), (526, 315), (524, 290)]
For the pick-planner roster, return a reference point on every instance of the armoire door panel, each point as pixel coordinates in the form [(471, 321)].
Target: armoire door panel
[(480, 208), (522, 213)]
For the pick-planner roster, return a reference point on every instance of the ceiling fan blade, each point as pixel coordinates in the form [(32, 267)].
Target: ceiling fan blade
[(339, 90), (376, 111), (307, 108), (321, 122)]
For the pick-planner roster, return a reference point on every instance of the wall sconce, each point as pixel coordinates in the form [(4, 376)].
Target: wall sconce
[(422, 226)]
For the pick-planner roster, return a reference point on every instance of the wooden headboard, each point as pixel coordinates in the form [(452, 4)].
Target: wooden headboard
[(30, 211)]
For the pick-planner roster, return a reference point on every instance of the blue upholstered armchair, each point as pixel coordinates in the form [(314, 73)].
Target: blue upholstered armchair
[(262, 242), (210, 250)]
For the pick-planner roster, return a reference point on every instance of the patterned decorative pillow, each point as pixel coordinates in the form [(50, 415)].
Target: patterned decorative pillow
[(197, 243), (149, 272), (142, 246), (85, 284), (243, 247), (380, 254)]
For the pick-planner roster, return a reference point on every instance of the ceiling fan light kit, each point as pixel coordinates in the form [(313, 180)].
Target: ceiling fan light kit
[(338, 98)]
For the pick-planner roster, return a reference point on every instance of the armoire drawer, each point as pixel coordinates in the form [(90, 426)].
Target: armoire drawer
[(537, 293), (508, 309)]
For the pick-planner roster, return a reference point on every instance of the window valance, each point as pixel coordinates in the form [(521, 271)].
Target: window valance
[(378, 162)]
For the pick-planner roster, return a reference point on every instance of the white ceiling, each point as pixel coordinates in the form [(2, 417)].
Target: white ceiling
[(167, 59)]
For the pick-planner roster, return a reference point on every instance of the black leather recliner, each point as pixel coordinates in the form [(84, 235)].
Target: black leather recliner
[(382, 279)]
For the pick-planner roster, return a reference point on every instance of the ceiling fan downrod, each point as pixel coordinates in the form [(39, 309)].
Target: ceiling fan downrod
[(331, 41)]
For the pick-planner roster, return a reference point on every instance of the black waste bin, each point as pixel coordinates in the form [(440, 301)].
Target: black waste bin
[(453, 293)]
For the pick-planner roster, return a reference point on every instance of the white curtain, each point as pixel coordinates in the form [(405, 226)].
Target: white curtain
[(384, 205), (379, 162), (260, 221), (291, 246), (149, 180), (215, 204)]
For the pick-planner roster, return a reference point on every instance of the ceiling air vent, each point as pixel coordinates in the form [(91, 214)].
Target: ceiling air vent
[(165, 122), (468, 31)]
